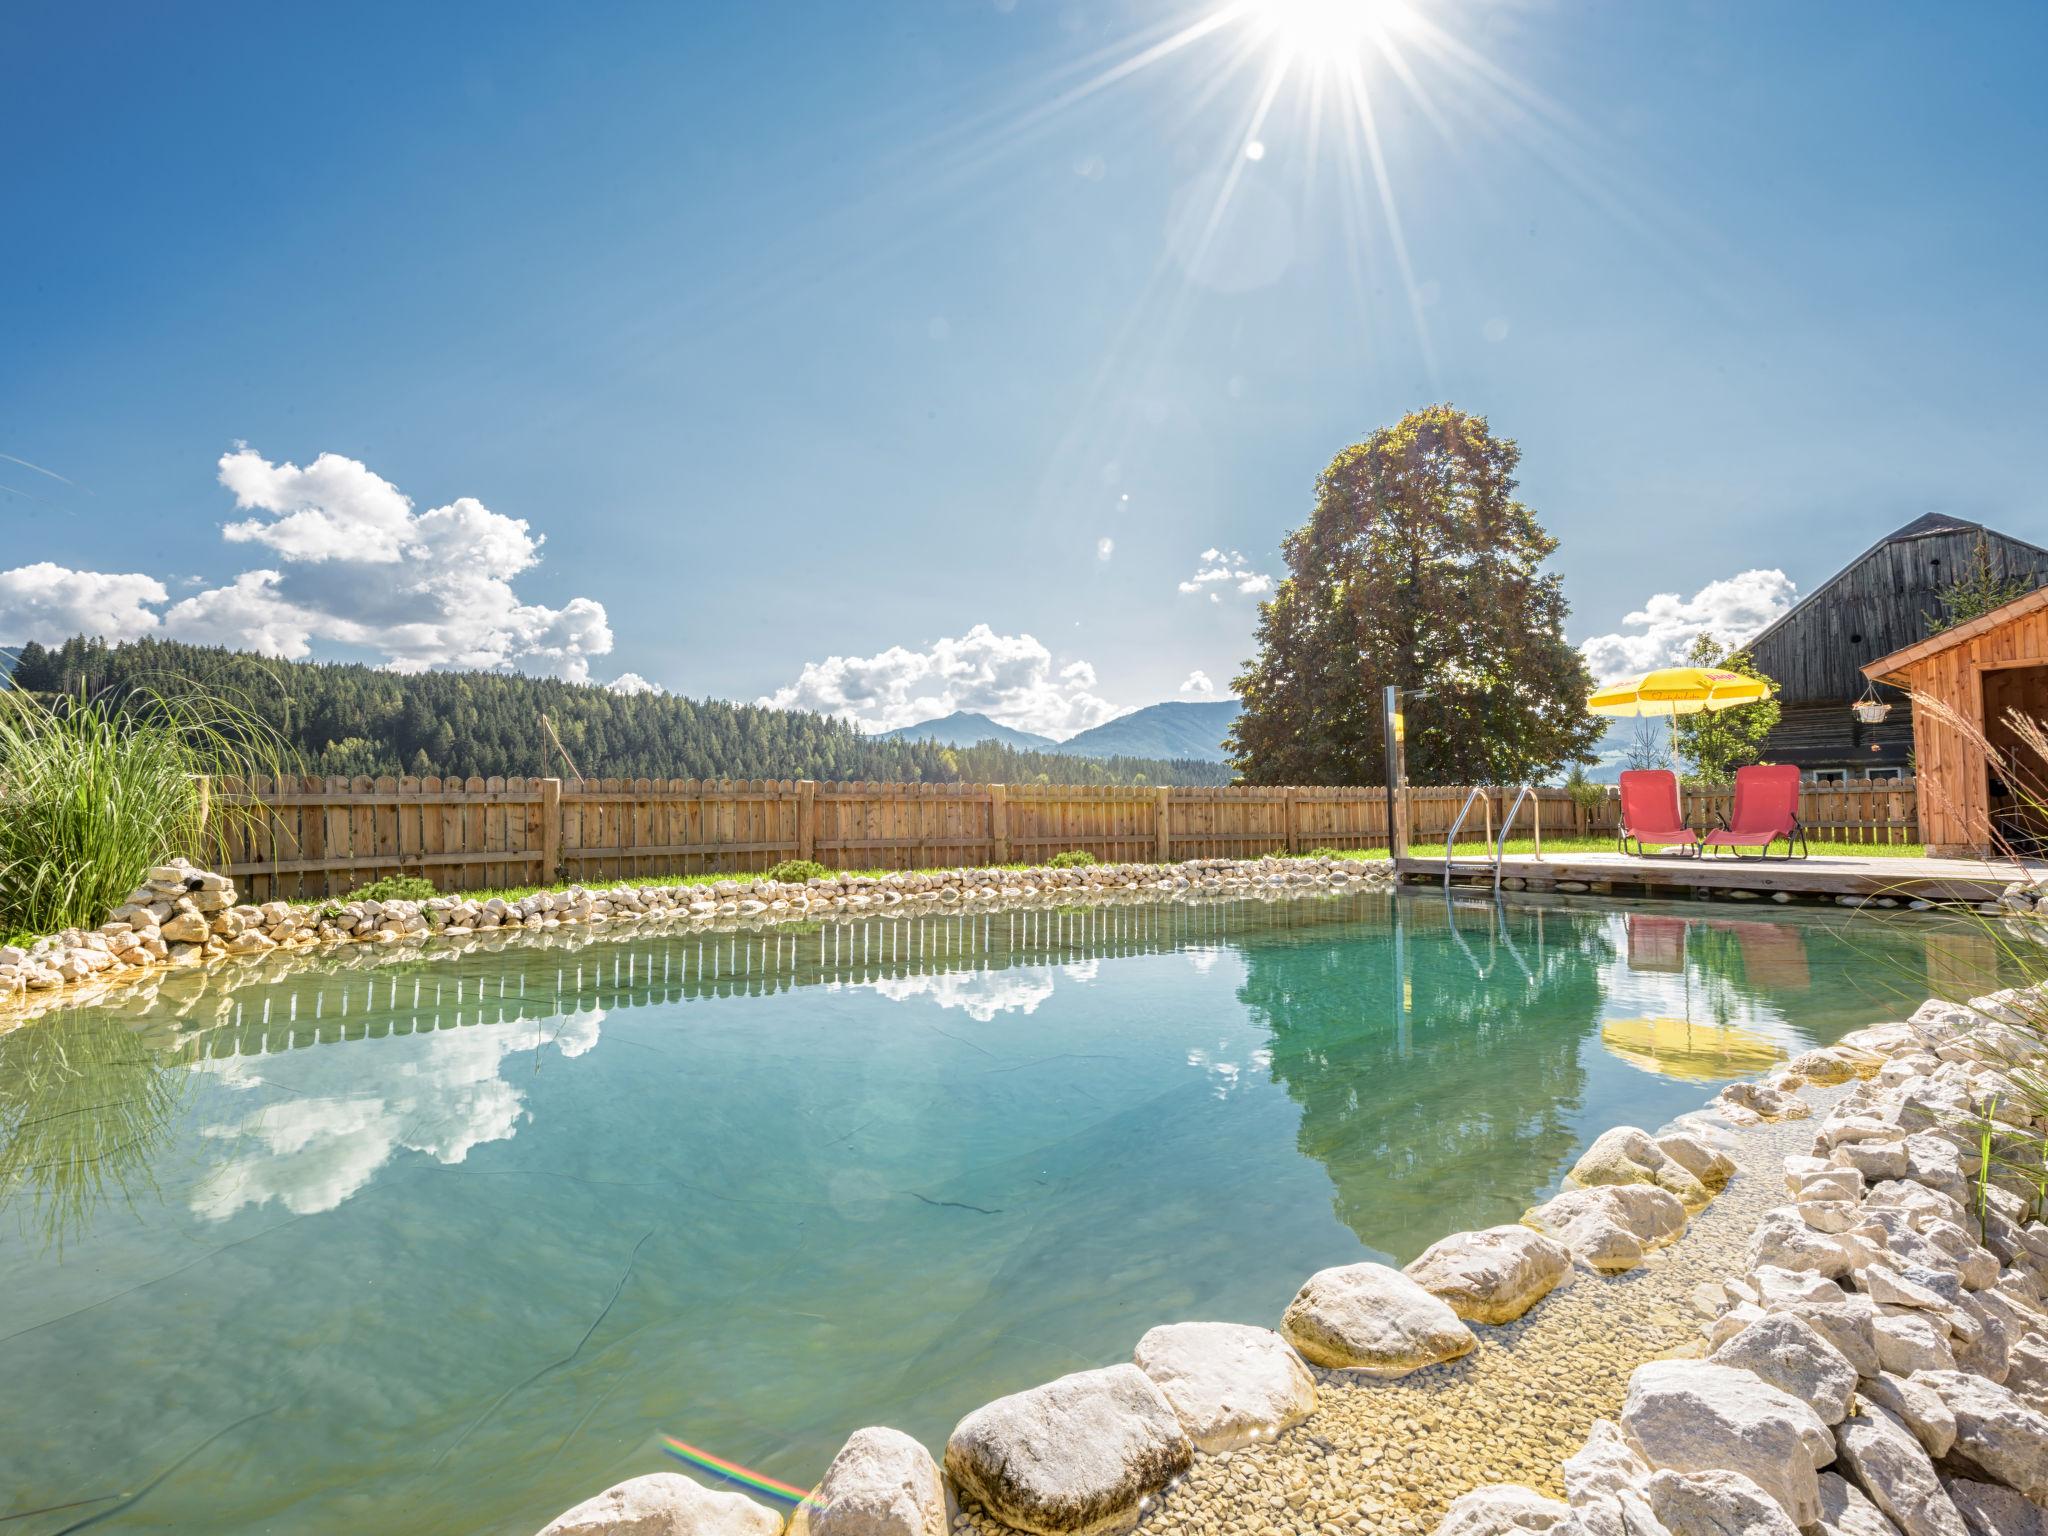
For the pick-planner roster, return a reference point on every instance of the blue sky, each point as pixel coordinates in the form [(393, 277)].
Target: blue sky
[(802, 332)]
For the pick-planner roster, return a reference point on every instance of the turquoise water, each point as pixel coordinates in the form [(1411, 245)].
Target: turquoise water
[(446, 1243)]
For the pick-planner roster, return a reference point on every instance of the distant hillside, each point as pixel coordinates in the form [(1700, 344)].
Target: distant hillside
[(965, 728), (352, 719), (1177, 729)]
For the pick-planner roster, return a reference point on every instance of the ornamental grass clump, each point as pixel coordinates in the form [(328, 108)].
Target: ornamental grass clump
[(94, 791)]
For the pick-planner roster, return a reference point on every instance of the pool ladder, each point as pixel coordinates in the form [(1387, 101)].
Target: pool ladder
[(1484, 797)]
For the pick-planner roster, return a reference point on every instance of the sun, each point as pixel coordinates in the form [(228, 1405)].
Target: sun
[(1322, 31)]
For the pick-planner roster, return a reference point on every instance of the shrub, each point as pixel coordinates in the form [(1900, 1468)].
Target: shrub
[(1073, 858), (395, 888), (99, 790), (796, 871)]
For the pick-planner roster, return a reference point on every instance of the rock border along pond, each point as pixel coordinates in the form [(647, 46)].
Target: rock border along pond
[(183, 917), (1847, 1361)]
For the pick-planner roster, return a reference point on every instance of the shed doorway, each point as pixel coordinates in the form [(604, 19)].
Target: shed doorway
[(2017, 794)]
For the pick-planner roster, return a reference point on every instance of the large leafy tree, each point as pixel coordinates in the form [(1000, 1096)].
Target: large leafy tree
[(1714, 744), (1418, 568)]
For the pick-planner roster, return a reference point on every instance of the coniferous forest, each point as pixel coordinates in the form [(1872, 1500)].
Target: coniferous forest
[(346, 718)]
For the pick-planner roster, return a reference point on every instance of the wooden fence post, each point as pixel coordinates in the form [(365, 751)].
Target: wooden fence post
[(1288, 807), (806, 818), (550, 831), (1162, 822), (999, 823)]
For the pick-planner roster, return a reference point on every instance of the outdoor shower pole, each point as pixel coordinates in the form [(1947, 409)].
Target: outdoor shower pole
[(1394, 727)]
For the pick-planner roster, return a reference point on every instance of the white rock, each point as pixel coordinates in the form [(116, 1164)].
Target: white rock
[(1076, 1455), (1908, 1342), (1711, 1166), (1845, 1511), (1491, 1276), (1230, 1384), (1612, 1226), (1991, 1510), (1504, 1509), (1885, 1460), (1716, 1503), (1695, 1416), (882, 1483), (1786, 1352), (1918, 1406), (665, 1504), (1625, 1155), (1373, 1320), (1998, 1436)]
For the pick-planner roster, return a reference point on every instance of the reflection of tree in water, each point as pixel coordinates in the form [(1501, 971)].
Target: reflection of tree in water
[(85, 1105), (1436, 1097)]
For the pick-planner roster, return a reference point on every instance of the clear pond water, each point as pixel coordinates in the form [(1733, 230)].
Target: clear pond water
[(444, 1243)]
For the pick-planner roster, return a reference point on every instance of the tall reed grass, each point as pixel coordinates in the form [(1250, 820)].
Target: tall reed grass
[(2011, 1130), (93, 791)]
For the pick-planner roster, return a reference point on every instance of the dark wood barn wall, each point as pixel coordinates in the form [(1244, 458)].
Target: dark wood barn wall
[(1877, 606)]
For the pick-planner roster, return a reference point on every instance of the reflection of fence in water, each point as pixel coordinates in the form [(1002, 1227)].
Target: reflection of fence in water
[(330, 1005)]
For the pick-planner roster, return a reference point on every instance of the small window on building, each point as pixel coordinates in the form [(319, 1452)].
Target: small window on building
[(1827, 776), (1885, 773)]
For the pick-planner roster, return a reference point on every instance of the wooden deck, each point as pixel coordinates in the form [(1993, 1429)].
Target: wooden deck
[(1905, 879)]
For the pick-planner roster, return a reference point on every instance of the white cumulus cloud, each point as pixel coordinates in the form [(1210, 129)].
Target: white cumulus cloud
[(351, 564), (630, 683), (1009, 678), (1658, 634), (52, 602), (1221, 570), (1198, 682)]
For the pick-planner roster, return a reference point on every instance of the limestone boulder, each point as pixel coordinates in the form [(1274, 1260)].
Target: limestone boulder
[(1885, 1460), (1606, 1464), (1716, 1503), (1917, 1406), (1751, 1103), (1492, 1276), (1373, 1320), (1783, 1240), (1625, 1155), (1999, 1438), (882, 1483), (665, 1504), (1229, 1384), (1075, 1456), (1846, 1511), (1907, 1341), (1611, 1227), (1989, 1509), (1505, 1509), (1696, 1416), (1705, 1162), (1789, 1354)]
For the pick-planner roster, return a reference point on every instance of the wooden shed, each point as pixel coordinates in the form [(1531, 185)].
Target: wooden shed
[(1983, 671), (1878, 603)]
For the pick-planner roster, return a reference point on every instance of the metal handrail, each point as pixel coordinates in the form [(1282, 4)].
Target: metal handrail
[(1458, 826), (1507, 822)]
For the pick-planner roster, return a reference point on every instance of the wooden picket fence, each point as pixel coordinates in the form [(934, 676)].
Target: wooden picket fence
[(304, 838)]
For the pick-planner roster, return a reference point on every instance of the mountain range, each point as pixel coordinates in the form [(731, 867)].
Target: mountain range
[(1189, 731)]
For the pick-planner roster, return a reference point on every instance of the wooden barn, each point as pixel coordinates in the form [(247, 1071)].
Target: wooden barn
[(1878, 604), (1980, 672)]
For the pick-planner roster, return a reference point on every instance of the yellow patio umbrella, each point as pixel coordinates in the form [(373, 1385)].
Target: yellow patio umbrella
[(1690, 1052), (1675, 691)]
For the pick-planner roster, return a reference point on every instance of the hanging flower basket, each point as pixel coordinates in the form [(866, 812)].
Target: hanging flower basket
[(1871, 711)]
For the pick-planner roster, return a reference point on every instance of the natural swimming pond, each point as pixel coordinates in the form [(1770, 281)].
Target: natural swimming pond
[(447, 1242)]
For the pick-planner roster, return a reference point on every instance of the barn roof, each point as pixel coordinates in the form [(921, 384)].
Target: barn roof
[(1892, 668), (1927, 525)]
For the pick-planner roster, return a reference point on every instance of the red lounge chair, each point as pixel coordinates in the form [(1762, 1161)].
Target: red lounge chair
[(1766, 809), (1650, 816)]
